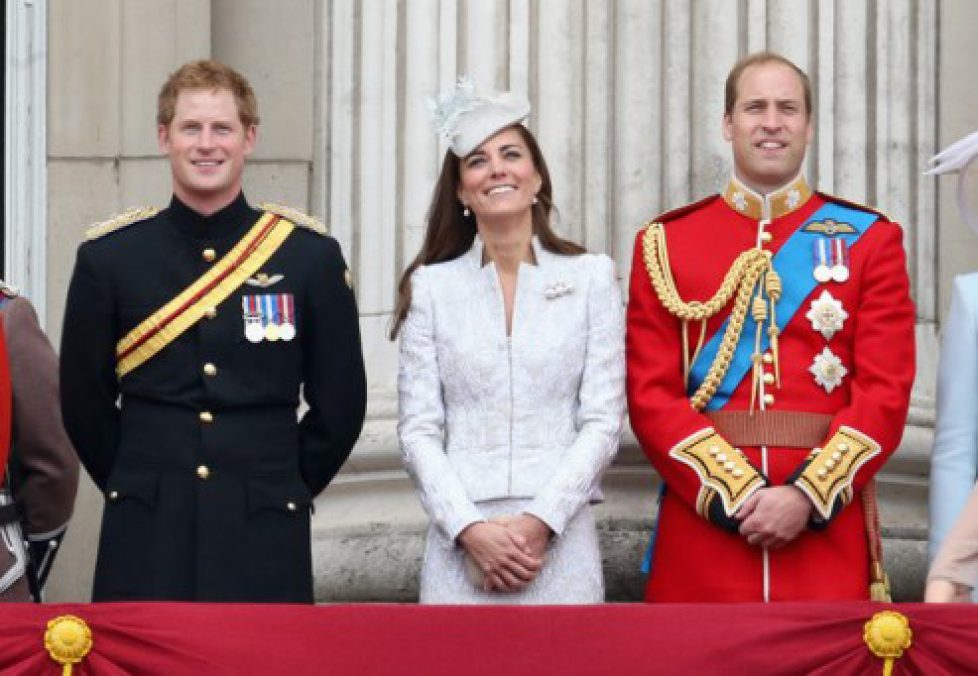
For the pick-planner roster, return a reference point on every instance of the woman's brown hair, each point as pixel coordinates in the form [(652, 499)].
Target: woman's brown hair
[(450, 234)]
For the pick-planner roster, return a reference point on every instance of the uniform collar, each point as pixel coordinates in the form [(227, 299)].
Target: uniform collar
[(233, 218), (781, 202)]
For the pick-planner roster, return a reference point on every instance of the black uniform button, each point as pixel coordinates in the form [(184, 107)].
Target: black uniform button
[(203, 472), (210, 370), (206, 417), (209, 255)]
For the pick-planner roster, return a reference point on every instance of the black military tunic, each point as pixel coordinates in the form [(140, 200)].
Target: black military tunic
[(207, 472)]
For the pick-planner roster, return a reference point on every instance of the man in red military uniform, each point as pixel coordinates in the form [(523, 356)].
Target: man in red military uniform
[(770, 362)]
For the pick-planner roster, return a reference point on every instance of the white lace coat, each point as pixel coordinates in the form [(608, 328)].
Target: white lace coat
[(537, 415)]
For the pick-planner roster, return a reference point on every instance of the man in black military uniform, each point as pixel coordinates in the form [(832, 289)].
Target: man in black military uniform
[(187, 337)]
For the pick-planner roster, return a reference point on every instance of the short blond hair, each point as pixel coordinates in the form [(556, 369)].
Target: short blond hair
[(212, 75)]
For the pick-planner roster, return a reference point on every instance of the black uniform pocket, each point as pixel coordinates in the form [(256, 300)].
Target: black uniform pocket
[(280, 558), (127, 556), (275, 495)]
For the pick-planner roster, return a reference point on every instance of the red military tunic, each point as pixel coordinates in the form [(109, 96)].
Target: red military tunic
[(698, 555)]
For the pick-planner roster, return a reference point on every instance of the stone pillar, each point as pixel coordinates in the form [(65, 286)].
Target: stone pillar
[(628, 101)]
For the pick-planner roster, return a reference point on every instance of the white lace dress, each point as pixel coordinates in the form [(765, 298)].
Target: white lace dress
[(492, 425)]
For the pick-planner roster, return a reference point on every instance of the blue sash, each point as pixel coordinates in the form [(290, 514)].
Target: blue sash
[(793, 263)]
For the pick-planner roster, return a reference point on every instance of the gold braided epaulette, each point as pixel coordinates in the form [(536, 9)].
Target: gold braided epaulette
[(119, 221), (302, 220)]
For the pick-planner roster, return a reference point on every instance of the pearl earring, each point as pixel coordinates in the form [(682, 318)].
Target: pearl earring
[(535, 200), (466, 212)]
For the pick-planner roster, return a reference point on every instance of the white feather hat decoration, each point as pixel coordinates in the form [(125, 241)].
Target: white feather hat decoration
[(465, 119), (958, 157)]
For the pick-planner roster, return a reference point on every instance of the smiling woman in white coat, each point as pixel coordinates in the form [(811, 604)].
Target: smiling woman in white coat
[(512, 373)]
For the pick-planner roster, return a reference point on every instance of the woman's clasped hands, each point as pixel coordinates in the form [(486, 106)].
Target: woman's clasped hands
[(505, 553)]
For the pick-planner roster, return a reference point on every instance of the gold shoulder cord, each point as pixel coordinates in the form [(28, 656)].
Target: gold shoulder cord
[(755, 284)]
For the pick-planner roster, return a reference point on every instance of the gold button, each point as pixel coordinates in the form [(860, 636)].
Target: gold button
[(822, 474), (769, 400), (837, 456), (830, 465), (768, 378), (729, 465), (206, 417), (767, 358), (842, 448), (722, 457), (766, 237), (210, 370), (738, 473), (714, 450), (203, 471), (209, 255), (210, 312), (114, 495), (290, 506)]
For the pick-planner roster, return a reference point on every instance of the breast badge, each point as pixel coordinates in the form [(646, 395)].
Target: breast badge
[(263, 280), (827, 315), (828, 370), (269, 316)]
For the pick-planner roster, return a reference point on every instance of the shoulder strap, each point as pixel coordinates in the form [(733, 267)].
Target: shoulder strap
[(299, 218), (120, 221)]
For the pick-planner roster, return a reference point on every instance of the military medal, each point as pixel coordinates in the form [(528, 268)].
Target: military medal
[(827, 315), (828, 370), (253, 329), (287, 331), (840, 260), (272, 329), (821, 272)]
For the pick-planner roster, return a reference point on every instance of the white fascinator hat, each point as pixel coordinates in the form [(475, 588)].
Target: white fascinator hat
[(465, 119), (957, 158)]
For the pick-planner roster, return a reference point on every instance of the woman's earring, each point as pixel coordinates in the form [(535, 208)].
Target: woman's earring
[(535, 200), (465, 211)]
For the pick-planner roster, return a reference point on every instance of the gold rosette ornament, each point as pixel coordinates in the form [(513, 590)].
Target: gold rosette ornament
[(887, 635), (67, 639)]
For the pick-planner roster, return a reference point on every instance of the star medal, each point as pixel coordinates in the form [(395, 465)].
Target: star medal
[(270, 305), (820, 253), (287, 330), (828, 370), (251, 309), (840, 260), (827, 315)]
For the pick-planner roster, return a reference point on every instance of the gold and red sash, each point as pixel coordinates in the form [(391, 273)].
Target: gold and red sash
[(179, 314)]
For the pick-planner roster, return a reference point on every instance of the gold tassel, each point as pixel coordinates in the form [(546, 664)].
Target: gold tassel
[(772, 285), (773, 332), (759, 314), (879, 588)]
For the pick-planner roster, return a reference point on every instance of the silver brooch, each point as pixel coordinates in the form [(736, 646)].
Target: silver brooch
[(828, 370), (557, 289), (827, 315)]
